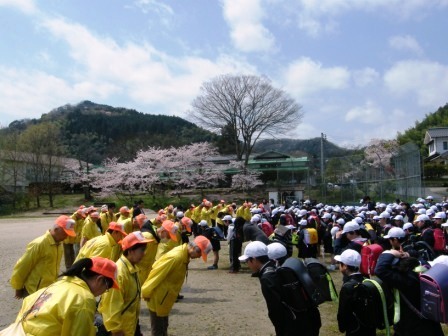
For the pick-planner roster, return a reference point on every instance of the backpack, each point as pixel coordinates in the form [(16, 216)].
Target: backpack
[(266, 227), (298, 292), (310, 236), (306, 284), (434, 293), (424, 251), (369, 257), (374, 304), (439, 240), (322, 279)]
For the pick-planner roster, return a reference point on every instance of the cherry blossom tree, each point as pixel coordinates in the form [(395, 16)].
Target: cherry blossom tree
[(379, 153), (245, 179)]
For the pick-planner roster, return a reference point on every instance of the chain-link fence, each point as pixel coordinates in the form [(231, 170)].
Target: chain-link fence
[(350, 178)]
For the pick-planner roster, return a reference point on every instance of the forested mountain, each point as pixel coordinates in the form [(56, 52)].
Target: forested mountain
[(92, 132), (416, 134), (297, 147)]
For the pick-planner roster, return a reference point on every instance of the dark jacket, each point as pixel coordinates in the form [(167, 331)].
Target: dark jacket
[(301, 324), (253, 233), (347, 320), (408, 284)]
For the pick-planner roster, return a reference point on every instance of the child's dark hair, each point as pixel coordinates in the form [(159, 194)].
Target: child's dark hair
[(262, 259), (133, 248), (81, 269)]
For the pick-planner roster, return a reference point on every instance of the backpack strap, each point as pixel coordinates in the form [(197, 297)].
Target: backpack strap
[(412, 307), (383, 303)]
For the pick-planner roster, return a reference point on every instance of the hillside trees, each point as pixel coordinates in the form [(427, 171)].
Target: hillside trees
[(249, 105)]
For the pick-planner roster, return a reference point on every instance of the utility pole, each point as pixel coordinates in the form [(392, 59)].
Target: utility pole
[(322, 171)]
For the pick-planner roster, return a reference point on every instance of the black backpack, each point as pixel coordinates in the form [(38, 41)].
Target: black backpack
[(322, 280), (374, 304), (302, 289)]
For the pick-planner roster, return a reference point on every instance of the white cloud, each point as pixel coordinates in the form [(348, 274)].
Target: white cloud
[(305, 77), (101, 69), (164, 13), (245, 17), (26, 6), (405, 43), (365, 76), (425, 80), (367, 114), (316, 17)]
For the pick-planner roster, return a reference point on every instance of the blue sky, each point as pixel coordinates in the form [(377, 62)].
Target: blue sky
[(360, 69)]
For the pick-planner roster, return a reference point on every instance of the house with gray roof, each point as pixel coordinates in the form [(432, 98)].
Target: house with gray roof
[(437, 141)]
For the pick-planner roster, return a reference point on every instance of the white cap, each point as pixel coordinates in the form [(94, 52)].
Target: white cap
[(326, 216), (407, 226), (303, 222), (254, 249), (440, 215), (290, 226), (333, 231), (385, 214), (443, 259), (358, 220), (421, 218), (350, 226), (421, 211), (302, 213), (203, 223), (430, 212), (227, 218), (255, 219), (349, 257), (395, 232), (429, 197), (398, 217), (179, 214), (276, 251), (340, 221)]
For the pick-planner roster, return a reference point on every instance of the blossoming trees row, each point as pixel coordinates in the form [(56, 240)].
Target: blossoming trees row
[(186, 167)]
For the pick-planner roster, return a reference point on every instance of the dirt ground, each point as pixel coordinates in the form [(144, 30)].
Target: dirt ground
[(215, 303)]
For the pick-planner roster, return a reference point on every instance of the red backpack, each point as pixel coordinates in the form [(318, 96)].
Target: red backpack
[(439, 240), (369, 257)]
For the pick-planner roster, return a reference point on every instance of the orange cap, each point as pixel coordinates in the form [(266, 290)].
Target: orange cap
[(132, 239), (66, 223), (141, 219), (117, 227), (186, 223), (95, 215), (204, 244), (81, 212), (105, 267), (124, 210), (170, 228)]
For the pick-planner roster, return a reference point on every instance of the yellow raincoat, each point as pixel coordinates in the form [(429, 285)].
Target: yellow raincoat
[(102, 246), (66, 308), (165, 280), (145, 265), (206, 215), (90, 229), (127, 223), (106, 218), (121, 308), (165, 246), (39, 266)]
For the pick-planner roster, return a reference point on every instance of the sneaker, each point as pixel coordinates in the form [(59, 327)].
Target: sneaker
[(212, 267)]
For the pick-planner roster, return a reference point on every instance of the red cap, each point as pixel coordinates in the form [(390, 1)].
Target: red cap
[(66, 223), (117, 227), (132, 239), (105, 267), (204, 244)]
